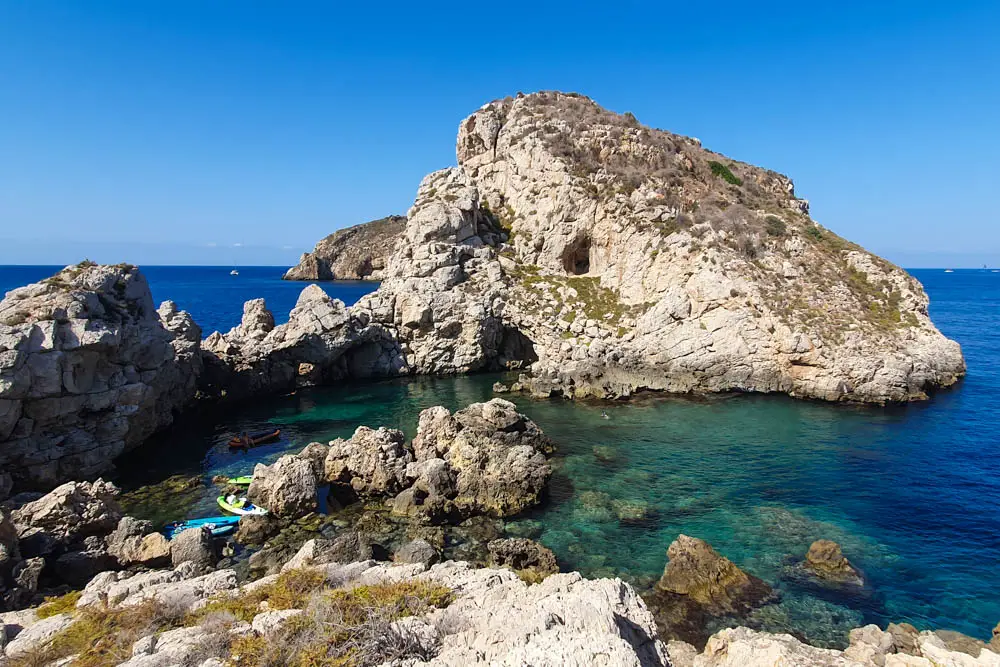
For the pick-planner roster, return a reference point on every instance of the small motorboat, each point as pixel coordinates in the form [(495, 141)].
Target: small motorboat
[(254, 439), (240, 505), (219, 525), (234, 272)]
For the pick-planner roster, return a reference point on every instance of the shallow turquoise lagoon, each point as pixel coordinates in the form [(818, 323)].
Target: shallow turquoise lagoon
[(912, 493)]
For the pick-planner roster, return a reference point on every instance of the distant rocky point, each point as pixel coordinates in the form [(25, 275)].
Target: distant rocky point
[(356, 253)]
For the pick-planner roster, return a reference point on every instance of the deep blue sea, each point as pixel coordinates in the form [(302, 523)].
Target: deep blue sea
[(912, 493), (209, 293)]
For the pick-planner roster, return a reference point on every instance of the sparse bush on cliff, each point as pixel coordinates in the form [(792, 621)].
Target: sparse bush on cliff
[(723, 172)]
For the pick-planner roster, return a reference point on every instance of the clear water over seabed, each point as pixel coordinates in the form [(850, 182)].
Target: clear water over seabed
[(911, 492)]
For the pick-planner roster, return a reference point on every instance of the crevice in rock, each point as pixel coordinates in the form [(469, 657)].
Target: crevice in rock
[(576, 256)]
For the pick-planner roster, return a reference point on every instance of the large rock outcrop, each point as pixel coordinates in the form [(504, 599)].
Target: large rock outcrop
[(611, 257), (360, 252), (88, 369)]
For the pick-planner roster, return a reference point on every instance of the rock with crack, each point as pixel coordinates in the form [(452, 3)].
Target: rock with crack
[(88, 369), (67, 514), (826, 561)]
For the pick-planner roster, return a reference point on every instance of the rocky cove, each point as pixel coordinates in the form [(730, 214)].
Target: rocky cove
[(514, 261)]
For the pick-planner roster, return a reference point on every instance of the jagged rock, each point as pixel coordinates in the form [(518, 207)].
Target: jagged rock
[(255, 529), (9, 551), (287, 488), (134, 542), (67, 514), (316, 453), (193, 545), (742, 647), (88, 370), (27, 572), (37, 635), (520, 553), (826, 561), (321, 342), (417, 551), (76, 568), (995, 640), (904, 638), (183, 585), (356, 253), (372, 462), (496, 455), (698, 585)]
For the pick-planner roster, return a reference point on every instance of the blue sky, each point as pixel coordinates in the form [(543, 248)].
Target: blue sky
[(241, 132)]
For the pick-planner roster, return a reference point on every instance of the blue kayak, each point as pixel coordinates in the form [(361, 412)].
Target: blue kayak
[(219, 525)]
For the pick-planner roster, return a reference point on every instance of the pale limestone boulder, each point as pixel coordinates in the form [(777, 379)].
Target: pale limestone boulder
[(287, 488), (372, 462), (70, 512)]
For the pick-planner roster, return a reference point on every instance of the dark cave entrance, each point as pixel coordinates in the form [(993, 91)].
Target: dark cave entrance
[(516, 350), (576, 256)]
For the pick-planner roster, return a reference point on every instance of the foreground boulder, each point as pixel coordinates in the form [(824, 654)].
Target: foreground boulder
[(523, 555), (287, 488), (360, 252), (88, 369), (66, 515)]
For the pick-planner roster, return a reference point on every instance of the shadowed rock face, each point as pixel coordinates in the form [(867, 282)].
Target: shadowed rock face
[(356, 253), (88, 369)]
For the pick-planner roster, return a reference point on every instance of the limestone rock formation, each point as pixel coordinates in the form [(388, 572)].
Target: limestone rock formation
[(88, 369), (486, 459), (522, 554), (610, 257), (287, 488), (356, 253), (321, 342), (68, 514), (826, 561)]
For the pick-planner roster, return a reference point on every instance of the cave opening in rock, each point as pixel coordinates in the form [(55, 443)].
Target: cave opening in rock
[(576, 257), (516, 350)]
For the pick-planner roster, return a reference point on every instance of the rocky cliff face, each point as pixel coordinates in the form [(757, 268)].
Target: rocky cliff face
[(613, 257), (356, 253), (88, 368)]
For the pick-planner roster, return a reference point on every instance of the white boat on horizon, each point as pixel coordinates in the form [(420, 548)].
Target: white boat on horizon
[(949, 270), (234, 272)]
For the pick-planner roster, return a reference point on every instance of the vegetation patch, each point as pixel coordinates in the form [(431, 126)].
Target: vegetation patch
[(340, 627), (58, 604), (723, 172)]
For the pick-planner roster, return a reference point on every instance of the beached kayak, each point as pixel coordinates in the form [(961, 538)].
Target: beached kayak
[(240, 481), (239, 506), (219, 525)]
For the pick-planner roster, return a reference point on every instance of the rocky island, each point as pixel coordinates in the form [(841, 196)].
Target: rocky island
[(596, 256), (355, 253)]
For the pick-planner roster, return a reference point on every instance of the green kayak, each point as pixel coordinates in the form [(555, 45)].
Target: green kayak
[(240, 481), (240, 506)]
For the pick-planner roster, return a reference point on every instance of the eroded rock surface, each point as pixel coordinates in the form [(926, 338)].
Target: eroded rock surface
[(88, 369), (826, 561), (360, 252)]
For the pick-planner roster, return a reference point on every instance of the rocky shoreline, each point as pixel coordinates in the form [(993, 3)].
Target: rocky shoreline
[(596, 256)]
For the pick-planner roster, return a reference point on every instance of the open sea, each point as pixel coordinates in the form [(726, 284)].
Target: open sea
[(912, 493)]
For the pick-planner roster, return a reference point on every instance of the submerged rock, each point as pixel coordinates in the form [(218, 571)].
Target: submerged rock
[(826, 561), (695, 570)]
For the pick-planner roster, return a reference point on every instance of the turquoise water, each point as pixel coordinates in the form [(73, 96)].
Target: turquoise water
[(912, 493)]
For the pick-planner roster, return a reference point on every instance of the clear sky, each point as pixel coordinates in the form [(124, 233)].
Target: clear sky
[(171, 131)]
